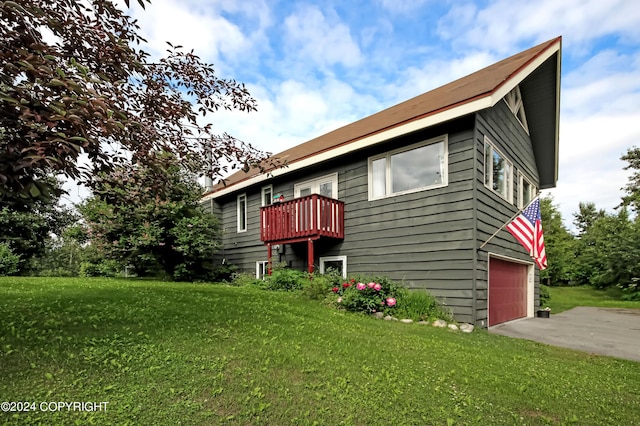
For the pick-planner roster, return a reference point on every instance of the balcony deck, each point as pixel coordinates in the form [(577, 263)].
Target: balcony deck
[(302, 219)]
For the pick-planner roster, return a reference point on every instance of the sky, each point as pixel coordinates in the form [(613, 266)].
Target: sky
[(314, 66)]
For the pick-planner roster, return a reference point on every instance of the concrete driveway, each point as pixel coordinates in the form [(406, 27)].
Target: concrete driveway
[(604, 331)]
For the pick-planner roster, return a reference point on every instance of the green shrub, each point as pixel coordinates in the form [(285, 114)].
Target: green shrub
[(105, 268), (420, 305), (223, 273), (9, 261), (241, 279), (89, 269), (285, 279), (319, 286), (544, 295), (631, 291)]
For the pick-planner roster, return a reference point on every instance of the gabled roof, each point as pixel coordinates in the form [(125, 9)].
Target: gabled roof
[(477, 91)]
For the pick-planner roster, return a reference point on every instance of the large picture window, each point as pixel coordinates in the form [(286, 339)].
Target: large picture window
[(498, 172), (414, 168)]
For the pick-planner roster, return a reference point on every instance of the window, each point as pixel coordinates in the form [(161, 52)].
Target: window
[(514, 100), (337, 263), (262, 269), (267, 195), (325, 185), (242, 212), (414, 168), (526, 191), (498, 172)]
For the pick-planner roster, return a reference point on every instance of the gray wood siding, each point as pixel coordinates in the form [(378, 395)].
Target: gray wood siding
[(492, 211), (424, 239)]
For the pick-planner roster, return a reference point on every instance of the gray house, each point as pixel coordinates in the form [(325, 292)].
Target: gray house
[(413, 191)]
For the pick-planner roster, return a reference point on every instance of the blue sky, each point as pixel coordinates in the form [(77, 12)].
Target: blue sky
[(315, 66)]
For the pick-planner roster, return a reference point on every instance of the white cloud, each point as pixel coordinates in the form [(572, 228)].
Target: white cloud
[(504, 24), (401, 6), (321, 39)]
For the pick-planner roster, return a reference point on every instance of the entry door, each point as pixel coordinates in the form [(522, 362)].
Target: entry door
[(325, 185), (508, 290)]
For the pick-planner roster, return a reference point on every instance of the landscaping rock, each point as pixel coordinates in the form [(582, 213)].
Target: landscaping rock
[(406, 321), (466, 328), (378, 315), (440, 323), (453, 327), (388, 318), (423, 322)]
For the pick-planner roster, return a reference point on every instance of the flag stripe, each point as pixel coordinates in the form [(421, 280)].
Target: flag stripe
[(527, 229)]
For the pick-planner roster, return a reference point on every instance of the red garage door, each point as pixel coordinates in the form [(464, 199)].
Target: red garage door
[(507, 291)]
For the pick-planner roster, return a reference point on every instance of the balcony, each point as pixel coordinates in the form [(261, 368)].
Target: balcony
[(302, 219)]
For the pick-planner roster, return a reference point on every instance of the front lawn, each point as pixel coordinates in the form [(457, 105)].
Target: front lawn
[(170, 353), (565, 298)]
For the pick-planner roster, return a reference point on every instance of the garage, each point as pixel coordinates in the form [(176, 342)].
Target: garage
[(508, 290)]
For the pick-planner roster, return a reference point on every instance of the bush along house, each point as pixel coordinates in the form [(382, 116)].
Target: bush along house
[(413, 192)]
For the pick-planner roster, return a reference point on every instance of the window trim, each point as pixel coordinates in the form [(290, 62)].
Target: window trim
[(334, 259), (444, 139), (262, 194), (509, 197), (333, 177), (521, 178), (238, 212), (264, 266)]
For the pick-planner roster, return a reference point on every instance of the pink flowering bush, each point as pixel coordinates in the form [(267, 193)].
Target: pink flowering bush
[(378, 295)]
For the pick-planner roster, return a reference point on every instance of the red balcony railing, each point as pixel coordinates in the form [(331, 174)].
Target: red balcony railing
[(313, 216)]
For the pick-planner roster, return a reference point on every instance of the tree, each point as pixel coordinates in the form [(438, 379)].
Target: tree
[(609, 251), (632, 188), (558, 243), (132, 223), (73, 81), (27, 229), (585, 217)]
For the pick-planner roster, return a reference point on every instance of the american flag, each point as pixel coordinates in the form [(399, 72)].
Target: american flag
[(527, 229)]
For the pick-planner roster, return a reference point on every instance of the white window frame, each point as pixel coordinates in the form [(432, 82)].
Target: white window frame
[(315, 185), (488, 171), (262, 267), (241, 213), (514, 100), (521, 178), (444, 139), (343, 259), (265, 189)]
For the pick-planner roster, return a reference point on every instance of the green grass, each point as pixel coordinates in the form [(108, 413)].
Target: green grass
[(565, 298), (169, 353)]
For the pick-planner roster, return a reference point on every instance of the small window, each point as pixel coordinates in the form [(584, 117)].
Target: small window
[(267, 195), (336, 263), (527, 191), (414, 168), (514, 100), (262, 269), (498, 172), (242, 212)]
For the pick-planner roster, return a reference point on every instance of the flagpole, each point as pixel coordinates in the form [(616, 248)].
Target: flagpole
[(509, 221)]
